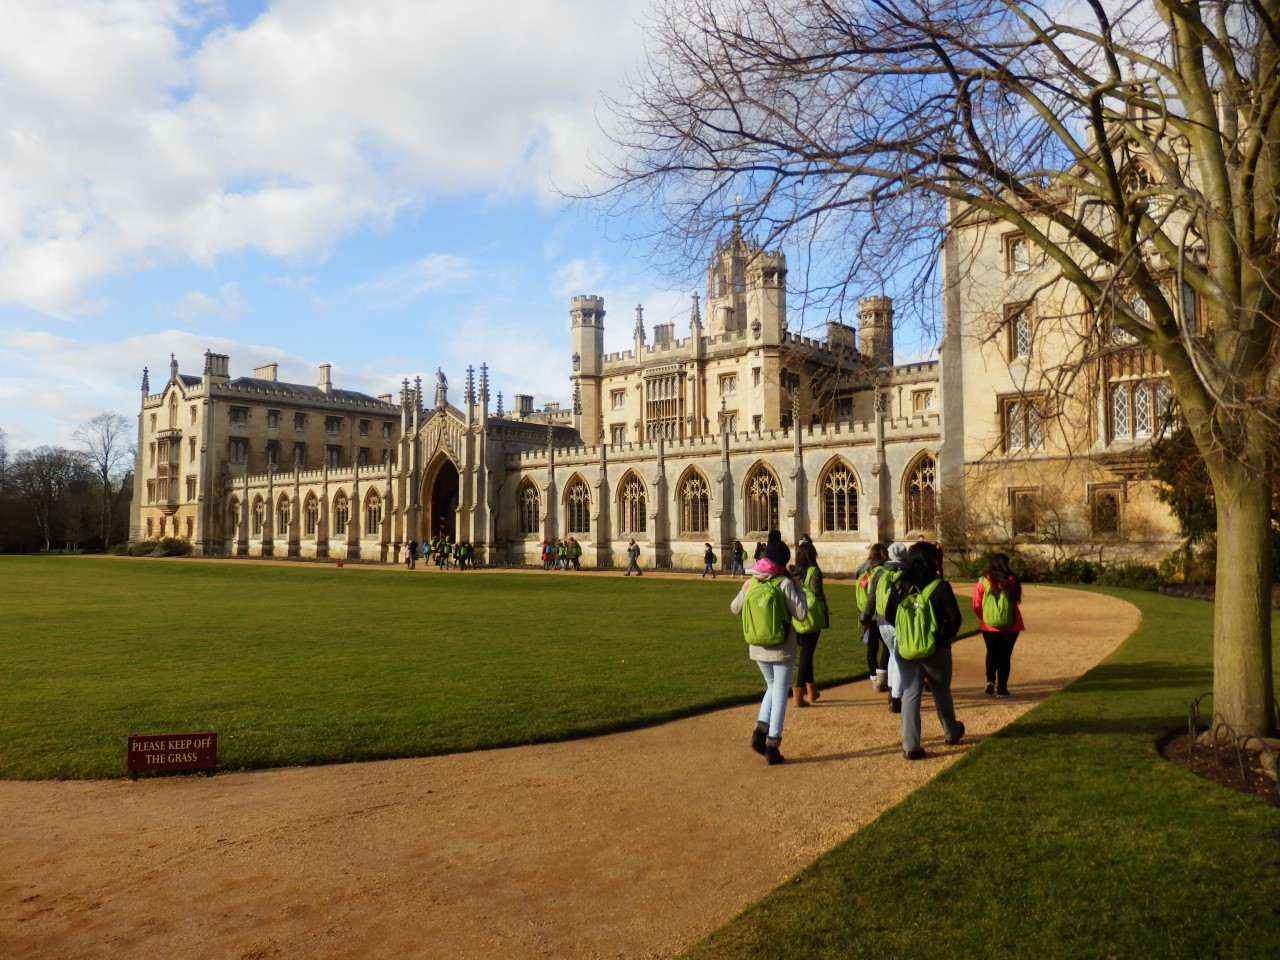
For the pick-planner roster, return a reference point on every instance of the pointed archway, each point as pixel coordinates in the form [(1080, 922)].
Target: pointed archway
[(440, 489)]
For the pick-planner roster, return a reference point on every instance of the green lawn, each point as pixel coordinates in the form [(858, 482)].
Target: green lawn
[(319, 665), (1063, 836)]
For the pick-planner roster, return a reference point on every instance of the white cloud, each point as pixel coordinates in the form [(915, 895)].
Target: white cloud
[(227, 305), (406, 283), (127, 149)]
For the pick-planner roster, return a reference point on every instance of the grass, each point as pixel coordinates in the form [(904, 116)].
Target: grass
[(321, 665), (1063, 836)]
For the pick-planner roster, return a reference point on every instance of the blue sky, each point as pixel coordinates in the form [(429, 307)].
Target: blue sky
[(369, 184)]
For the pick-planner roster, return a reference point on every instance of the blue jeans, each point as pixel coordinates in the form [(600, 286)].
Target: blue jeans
[(737, 569), (777, 690), (632, 565), (707, 569)]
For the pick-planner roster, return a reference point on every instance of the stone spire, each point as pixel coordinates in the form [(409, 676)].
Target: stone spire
[(146, 381), (695, 320)]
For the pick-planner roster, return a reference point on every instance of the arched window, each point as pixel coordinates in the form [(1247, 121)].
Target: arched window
[(839, 500), (528, 508), (341, 514), (631, 505), (282, 516), (233, 516), (922, 495), (372, 514), (763, 497), (259, 516), (695, 504), (1120, 429), (578, 503), (311, 515), (1164, 408)]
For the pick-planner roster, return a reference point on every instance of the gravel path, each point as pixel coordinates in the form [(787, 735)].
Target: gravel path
[(633, 845)]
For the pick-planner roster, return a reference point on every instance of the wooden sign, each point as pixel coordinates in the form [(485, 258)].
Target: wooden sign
[(172, 751)]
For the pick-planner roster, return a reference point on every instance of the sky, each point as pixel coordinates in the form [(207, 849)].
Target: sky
[(375, 185)]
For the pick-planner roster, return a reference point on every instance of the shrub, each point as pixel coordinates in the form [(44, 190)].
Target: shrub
[(1136, 576), (168, 547), (1074, 570)]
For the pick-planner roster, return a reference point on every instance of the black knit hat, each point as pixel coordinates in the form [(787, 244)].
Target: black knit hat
[(776, 550)]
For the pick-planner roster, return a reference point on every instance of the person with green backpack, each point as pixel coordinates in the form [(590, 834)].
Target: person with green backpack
[(808, 576), (768, 603), (922, 608), (996, 600), (873, 620)]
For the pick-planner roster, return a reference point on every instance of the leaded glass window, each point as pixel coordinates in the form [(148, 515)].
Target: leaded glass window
[(529, 508), (763, 497), (695, 505), (631, 506), (839, 500), (578, 501), (922, 495)]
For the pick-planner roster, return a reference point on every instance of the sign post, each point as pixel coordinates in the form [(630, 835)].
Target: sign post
[(172, 751)]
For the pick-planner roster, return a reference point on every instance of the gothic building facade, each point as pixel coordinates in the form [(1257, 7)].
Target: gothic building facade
[(739, 427)]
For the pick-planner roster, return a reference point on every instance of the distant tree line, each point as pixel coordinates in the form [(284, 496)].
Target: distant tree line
[(68, 498)]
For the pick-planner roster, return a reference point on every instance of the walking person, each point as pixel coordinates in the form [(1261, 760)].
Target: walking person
[(633, 558), (808, 576), (575, 553), (767, 603), (873, 617), (410, 554), (922, 607), (997, 599), (739, 555), (708, 563), (863, 589)]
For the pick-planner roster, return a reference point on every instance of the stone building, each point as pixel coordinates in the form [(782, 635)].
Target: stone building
[(735, 427)]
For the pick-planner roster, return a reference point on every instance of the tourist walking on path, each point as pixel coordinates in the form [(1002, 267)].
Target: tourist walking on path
[(873, 618), (996, 600), (410, 554), (708, 563), (808, 576), (633, 558), (575, 553), (767, 603), (739, 554), (863, 588), (918, 587)]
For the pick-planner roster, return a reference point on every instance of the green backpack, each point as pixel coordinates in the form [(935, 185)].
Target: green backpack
[(861, 588), (764, 613), (816, 618), (884, 586), (997, 608), (916, 625)]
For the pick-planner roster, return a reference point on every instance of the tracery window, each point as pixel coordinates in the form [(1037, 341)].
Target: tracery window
[(763, 496), (631, 505), (372, 514), (839, 500), (311, 515), (922, 495), (259, 516), (282, 516), (528, 508), (341, 514), (695, 504), (578, 503)]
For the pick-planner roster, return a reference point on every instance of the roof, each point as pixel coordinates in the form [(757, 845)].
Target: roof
[(303, 392)]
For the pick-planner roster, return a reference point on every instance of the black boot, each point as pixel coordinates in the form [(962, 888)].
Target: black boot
[(758, 737), (771, 753)]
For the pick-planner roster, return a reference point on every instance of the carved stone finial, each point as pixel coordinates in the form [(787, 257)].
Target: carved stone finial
[(146, 381), (640, 322), (499, 403), (173, 365), (695, 321)]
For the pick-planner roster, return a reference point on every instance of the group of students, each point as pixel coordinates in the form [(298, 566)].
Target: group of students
[(442, 551), (909, 618), (558, 554)]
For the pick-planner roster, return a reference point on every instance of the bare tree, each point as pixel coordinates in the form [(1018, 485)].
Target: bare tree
[(106, 442), (47, 478), (1128, 142)]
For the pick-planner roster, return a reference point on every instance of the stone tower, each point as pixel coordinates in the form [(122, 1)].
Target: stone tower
[(587, 316), (875, 330)]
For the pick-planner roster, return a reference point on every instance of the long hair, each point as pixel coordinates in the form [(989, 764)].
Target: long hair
[(805, 557), (878, 554), (921, 566), (1002, 578)]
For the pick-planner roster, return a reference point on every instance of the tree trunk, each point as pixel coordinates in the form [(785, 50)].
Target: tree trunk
[(1242, 682)]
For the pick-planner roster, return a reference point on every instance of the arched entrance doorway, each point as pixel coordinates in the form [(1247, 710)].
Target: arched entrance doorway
[(441, 499)]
